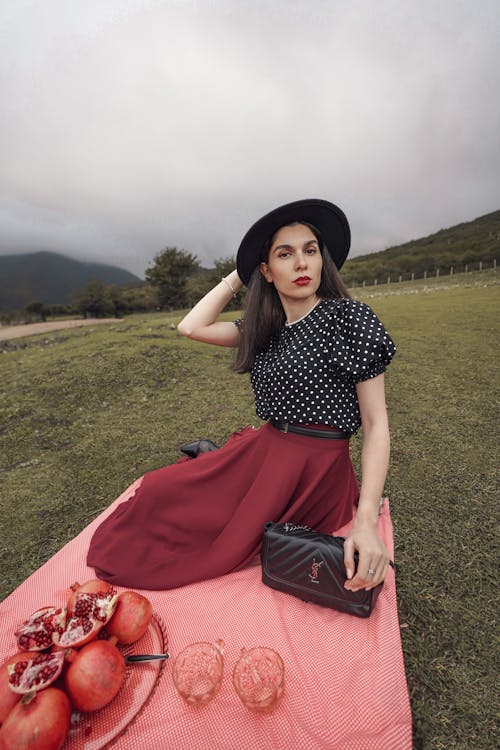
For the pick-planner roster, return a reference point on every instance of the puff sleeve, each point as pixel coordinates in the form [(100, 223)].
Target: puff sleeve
[(362, 348)]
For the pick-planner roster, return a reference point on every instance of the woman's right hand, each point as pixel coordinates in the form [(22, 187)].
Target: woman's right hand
[(201, 322)]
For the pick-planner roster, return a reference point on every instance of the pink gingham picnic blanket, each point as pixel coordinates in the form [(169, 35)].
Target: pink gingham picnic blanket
[(345, 684)]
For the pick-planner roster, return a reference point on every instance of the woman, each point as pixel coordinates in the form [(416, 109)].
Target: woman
[(316, 360)]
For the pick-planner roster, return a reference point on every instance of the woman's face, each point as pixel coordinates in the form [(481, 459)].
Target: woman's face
[(295, 262)]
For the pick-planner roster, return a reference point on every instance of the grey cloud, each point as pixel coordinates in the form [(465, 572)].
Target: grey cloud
[(131, 125)]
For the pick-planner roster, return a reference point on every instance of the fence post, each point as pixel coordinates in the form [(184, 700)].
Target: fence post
[(375, 282), (413, 276), (480, 265), (494, 262), (364, 282), (388, 279), (466, 268), (425, 274), (437, 273), (400, 277), (451, 270)]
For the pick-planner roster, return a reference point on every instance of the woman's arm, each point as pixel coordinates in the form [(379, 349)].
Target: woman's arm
[(364, 536), (201, 322)]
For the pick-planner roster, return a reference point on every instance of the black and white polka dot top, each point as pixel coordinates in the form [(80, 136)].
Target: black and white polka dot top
[(309, 373)]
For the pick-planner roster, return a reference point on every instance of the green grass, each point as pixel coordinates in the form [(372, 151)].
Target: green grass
[(86, 411)]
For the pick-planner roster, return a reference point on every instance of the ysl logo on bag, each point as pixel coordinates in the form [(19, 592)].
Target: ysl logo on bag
[(295, 527), (313, 575)]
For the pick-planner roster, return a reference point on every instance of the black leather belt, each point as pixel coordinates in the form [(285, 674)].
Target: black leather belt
[(326, 434)]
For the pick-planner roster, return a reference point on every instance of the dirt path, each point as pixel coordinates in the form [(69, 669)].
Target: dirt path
[(15, 332)]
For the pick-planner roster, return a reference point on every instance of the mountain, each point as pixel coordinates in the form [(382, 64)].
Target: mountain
[(468, 244), (51, 278)]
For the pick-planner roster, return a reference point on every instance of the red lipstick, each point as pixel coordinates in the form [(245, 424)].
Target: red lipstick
[(302, 281)]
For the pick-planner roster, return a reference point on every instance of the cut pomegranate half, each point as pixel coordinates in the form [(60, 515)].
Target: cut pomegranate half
[(36, 673), (42, 630), (91, 613)]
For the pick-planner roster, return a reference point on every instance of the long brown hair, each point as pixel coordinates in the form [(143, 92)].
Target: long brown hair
[(264, 314)]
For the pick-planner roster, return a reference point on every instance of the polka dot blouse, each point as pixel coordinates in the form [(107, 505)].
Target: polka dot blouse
[(309, 373)]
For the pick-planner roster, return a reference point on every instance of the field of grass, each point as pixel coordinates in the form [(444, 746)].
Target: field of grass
[(85, 411)]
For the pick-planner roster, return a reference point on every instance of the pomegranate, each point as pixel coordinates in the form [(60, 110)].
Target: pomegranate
[(35, 673), (90, 614), (95, 586), (42, 629), (8, 698), (131, 618), (39, 721), (95, 675)]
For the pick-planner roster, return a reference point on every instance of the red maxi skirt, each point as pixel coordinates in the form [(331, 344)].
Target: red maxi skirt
[(204, 517)]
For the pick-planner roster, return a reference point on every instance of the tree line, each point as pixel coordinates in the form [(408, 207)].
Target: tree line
[(174, 281), (462, 248)]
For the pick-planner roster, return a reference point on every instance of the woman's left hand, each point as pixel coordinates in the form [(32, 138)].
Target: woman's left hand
[(373, 558)]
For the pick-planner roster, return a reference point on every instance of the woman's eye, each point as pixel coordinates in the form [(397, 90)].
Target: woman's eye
[(283, 254), (312, 250)]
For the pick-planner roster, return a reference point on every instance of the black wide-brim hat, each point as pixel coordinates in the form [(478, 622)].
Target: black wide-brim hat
[(325, 216)]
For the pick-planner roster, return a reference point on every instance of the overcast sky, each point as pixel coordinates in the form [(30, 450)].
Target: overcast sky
[(130, 125)]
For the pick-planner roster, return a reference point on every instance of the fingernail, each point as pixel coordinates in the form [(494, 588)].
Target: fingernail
[(349, 573)]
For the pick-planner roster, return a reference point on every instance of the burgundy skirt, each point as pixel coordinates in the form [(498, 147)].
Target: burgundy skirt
[(203, 517)]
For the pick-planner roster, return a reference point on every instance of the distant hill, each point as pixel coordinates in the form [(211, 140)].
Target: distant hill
[(51, 278), (466, 243)]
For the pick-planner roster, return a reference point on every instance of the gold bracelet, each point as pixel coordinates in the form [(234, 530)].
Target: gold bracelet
[(226, 282)]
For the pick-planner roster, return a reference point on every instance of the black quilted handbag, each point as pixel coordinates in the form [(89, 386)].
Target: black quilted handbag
[(310, 566)]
